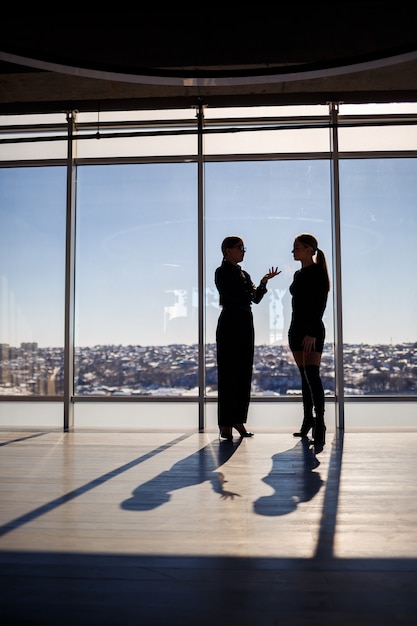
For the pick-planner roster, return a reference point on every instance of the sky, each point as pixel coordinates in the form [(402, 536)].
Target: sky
[(136, 278)]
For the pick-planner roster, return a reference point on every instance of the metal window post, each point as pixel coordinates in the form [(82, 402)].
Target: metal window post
[(337, 270), (201, 277), (69, 281)]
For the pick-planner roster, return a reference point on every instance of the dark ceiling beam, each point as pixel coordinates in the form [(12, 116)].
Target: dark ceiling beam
[(305, 53)]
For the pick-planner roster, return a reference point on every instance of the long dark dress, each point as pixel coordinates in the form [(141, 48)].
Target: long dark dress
[(235, 339), (309, 291)]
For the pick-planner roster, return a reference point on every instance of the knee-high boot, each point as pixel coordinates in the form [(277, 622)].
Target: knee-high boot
[(312, 373), (308, 420)]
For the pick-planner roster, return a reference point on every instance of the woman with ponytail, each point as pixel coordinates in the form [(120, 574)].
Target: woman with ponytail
[(309, 290)]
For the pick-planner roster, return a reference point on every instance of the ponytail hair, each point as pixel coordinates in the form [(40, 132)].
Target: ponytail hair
[(319, 257)]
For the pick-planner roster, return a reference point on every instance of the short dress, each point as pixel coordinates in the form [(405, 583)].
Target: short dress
[(309, 291)]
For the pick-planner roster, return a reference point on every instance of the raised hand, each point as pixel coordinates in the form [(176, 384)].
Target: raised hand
[(273, 271)]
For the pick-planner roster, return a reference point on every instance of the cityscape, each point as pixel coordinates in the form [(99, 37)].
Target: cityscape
[(115, 370)]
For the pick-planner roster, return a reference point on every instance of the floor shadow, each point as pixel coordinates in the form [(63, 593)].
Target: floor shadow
[(69, 587), (50, 588), (28, 517), (294, 479), (325, 541), (25, 438), (195, 469)]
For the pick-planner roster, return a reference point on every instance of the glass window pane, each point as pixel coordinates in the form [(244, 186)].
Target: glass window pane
[(367, 136), (136, 280), (267, 204), (266, 111), (150, 116), (379, 231), (31, 151), (139, 146), (32, 262), (265, 130), (378, 108), (33, 137), (387, 138), (268, 141), (137, 134)]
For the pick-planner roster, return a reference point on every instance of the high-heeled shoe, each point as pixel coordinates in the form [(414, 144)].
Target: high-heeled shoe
[(307, 424), (242, 430), (319, 435), (225, 434)]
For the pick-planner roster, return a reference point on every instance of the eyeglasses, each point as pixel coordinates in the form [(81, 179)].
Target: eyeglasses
[(239, 247)]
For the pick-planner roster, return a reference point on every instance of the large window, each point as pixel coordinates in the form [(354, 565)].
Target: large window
[(379, 231), (32, 267), (155, 193), (268, 203), (136, 280)]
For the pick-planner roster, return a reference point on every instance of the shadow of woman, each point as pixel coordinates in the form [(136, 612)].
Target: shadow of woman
[(193, 470), (293, 480)]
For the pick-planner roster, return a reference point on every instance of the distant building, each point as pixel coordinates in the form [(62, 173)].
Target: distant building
[(29, 347)]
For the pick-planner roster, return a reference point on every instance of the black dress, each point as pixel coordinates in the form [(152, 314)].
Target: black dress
[(309, 291), (235, 339)]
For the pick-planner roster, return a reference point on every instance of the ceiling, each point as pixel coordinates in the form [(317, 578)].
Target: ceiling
[(308, 53)]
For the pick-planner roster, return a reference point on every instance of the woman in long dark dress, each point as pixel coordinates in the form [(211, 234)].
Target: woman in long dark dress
[(235, 337), (306, 334)]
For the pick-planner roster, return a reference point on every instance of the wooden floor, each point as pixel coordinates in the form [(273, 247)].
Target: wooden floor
[(170, 528)]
